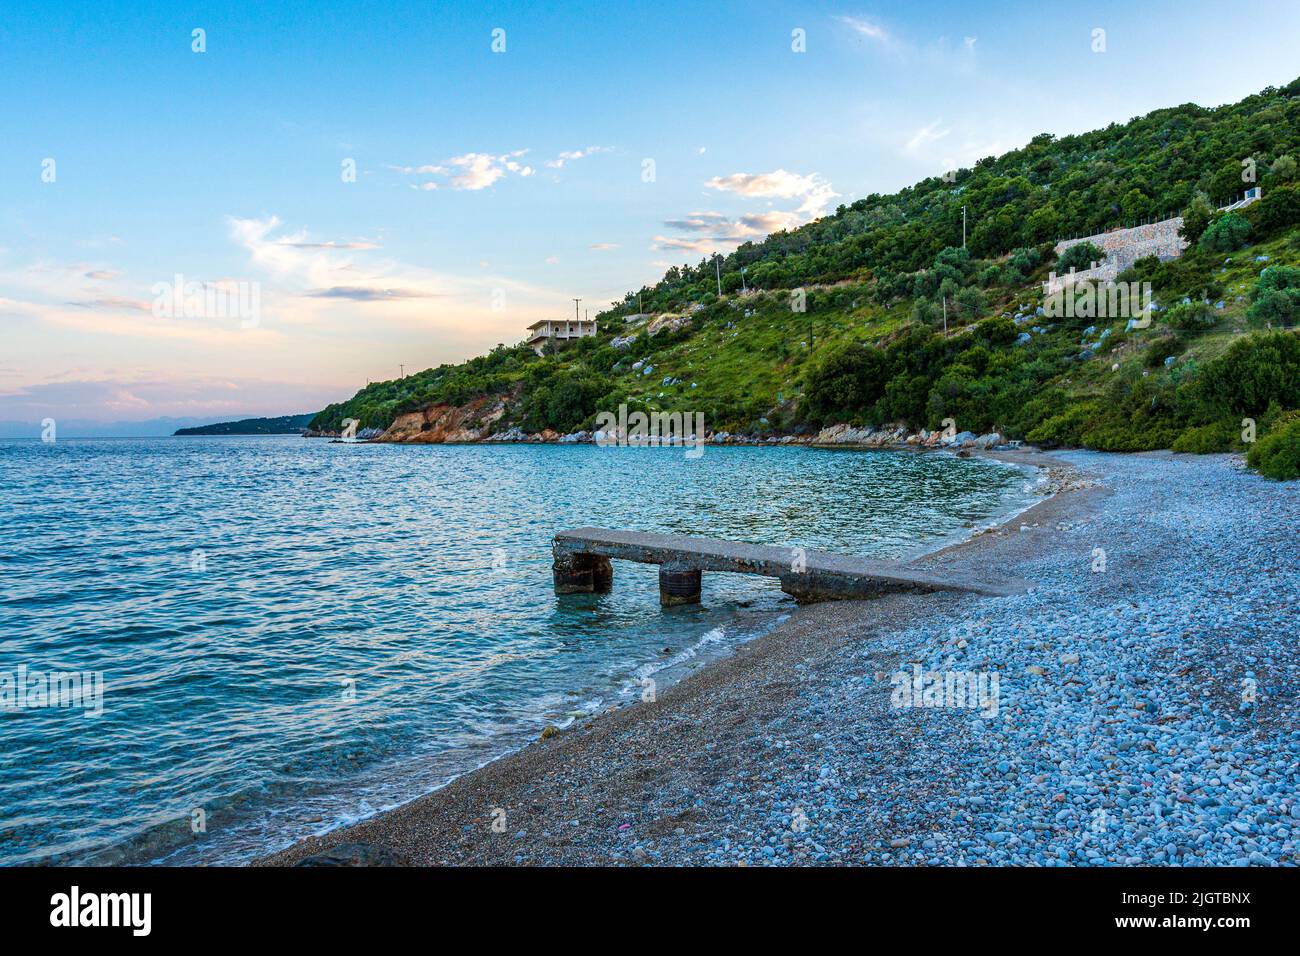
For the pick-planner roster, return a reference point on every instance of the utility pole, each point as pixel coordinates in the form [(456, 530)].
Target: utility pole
[(945, 316), (717, 264), (743, 287), (576, 317), (963, 227), (402, 369)]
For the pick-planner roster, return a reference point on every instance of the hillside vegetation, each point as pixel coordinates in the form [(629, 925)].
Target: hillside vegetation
[(282, 425), (843, 319)]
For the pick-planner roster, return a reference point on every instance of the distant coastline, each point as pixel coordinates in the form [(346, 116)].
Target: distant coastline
[(284, 425)]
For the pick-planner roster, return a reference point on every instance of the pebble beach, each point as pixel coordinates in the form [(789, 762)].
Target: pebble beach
[(1137, 707)]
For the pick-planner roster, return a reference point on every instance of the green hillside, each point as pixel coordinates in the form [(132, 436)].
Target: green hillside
[(869, 346)]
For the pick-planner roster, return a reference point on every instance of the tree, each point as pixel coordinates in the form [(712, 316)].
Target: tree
[(1081, 255), (1277, 210), (1196, 218), (1135, 205), (953, 256), (925, 313), (846, 383), (1226, 233), (1276, 296), (1283, 168), (970, 303)]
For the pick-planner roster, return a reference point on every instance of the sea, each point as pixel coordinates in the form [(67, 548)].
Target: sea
[(212, 647)]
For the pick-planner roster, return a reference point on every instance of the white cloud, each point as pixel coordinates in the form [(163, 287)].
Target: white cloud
[(323, 303), (603, 246), (705, 246), (924, 136), (813, 191), (719, 232), (469, 171), (866, 28), (571, 155)]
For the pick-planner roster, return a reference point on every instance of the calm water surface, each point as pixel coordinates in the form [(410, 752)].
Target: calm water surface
[(295, 634)]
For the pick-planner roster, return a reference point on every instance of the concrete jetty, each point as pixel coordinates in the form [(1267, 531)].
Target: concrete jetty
[(583, 555)]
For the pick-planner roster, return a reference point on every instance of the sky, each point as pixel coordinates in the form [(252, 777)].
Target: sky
[(260, 218)]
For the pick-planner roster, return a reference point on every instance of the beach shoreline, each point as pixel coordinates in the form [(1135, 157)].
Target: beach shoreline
[(1061, 479), (1145, 713)]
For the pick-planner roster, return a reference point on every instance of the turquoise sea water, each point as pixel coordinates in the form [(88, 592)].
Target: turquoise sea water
[(294, 634)]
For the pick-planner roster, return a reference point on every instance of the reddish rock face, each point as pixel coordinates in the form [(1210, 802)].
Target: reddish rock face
[(436, 424)]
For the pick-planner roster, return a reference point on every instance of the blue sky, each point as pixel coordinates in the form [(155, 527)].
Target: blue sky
[(491, 187)]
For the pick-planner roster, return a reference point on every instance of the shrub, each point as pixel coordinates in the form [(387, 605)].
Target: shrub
[(1276, 296), (1225, 234), (1079, 256), (1138, 434), (1189, 316), (997, 332), (1254, 371), (971, 303), (1034, 411), (1025, 259), (925, 313), (846, 383), (1196, 218), (562, 400), (1276, 307), (954, 257), (1277, 454), (1277, 209), (1162, 347), (1143, 270), (1066, 428), (1206, 439)]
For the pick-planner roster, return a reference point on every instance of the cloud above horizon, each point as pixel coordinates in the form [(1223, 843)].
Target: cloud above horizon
[(142, 396), (719, 232), (470, 172), (866, 28), (571, 155), (362, 294)]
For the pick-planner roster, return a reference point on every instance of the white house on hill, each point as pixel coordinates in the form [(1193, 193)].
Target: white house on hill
[(540, 332)]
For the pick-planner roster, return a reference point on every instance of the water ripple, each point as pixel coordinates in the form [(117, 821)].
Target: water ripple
[(294, 633)]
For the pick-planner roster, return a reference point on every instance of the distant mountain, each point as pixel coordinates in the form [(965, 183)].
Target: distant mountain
[(284, 425)]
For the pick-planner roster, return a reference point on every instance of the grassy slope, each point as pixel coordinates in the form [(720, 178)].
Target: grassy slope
[(746, 360), (748, 355)]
